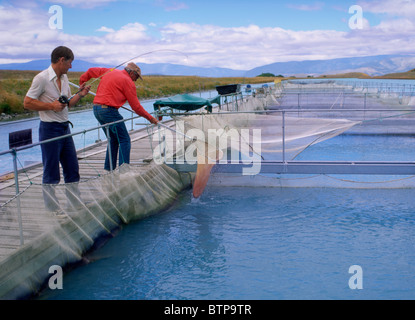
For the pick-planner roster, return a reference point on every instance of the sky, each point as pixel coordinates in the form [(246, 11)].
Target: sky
[(239, 35)]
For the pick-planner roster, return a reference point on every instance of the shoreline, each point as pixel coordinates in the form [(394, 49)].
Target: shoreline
[(8, 118)]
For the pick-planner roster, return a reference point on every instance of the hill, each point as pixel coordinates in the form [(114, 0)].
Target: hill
[(354, 75), (400, 75), (372, 66), (146, 69)]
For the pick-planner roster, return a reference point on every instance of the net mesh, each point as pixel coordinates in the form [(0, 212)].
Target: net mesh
[(290, 118), (60, 223)]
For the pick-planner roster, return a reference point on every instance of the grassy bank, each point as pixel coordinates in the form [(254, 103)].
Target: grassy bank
[(15, 84)]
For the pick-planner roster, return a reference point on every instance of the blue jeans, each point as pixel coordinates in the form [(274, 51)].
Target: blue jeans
[(118, 136)]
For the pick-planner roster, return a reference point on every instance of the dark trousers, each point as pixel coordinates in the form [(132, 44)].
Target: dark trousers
[(119, 138), (54, 153)]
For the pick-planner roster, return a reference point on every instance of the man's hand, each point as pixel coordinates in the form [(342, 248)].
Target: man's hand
[(154, 120), (84, 89), (57, 106)]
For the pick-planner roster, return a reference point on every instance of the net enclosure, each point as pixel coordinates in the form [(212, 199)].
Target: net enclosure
[(278, 124)]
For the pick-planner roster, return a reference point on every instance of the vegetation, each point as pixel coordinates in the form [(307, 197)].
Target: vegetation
[(15, 84), (266, 74), (402, 75), (358, 75)]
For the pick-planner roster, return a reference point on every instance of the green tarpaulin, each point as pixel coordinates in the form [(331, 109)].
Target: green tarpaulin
[(186, 102)]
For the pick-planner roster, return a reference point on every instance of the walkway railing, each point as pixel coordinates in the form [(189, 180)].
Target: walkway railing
[(14, 153)]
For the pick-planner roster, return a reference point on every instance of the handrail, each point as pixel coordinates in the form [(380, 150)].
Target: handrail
[(293, 110), (68, 135)]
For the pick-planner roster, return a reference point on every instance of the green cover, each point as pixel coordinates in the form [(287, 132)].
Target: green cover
[(186, 102)]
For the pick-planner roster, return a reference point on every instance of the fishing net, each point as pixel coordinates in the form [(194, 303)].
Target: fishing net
[(279, 125), (250, 134), (60, 223)]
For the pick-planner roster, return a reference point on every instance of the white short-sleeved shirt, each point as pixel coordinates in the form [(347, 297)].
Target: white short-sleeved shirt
[(45, 88)]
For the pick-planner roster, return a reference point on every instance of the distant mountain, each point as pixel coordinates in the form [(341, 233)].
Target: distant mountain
[(373, 66), (180, 70), (38, 65), (147, 69)]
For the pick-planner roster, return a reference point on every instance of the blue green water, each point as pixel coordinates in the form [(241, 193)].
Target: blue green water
[(266, 243), (259, 243)]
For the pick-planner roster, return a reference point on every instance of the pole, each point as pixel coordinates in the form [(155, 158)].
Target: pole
[(16, 182), (283, 137)]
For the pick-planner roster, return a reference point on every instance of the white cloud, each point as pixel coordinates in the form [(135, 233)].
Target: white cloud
[(85, 4), (307, 7), (105, 29), (171, 5), (24, 34), (397, 8)]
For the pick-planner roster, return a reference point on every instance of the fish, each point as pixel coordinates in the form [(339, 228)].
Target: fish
[(204, 167)]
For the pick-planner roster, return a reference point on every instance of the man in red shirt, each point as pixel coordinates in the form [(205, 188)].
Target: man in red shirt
[(116, 88)]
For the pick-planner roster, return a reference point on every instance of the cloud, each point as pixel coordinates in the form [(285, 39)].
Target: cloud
[(171, 5), (23, 31), (241, 48), (105, 29), (83, 4), (247, 47), (396, 8), (307, 7)]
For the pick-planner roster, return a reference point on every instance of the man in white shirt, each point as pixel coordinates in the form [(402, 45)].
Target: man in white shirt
[(43, 96)]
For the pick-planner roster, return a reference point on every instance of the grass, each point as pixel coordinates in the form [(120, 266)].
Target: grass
[(402, 75), (15, 84)]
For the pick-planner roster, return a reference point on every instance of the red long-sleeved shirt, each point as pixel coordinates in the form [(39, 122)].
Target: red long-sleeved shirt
[(115, 88)]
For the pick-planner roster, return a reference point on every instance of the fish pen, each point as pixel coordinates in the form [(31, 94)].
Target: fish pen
[(269, 140), (342, 94)]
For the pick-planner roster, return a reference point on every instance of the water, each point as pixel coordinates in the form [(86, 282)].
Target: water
[(275, 243), (265, 243), (362, 148)]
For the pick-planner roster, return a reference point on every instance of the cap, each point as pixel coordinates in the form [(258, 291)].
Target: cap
[(132, 66)]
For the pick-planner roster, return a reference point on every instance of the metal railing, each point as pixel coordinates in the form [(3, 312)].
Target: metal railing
[(14, 153), (360, 115)]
